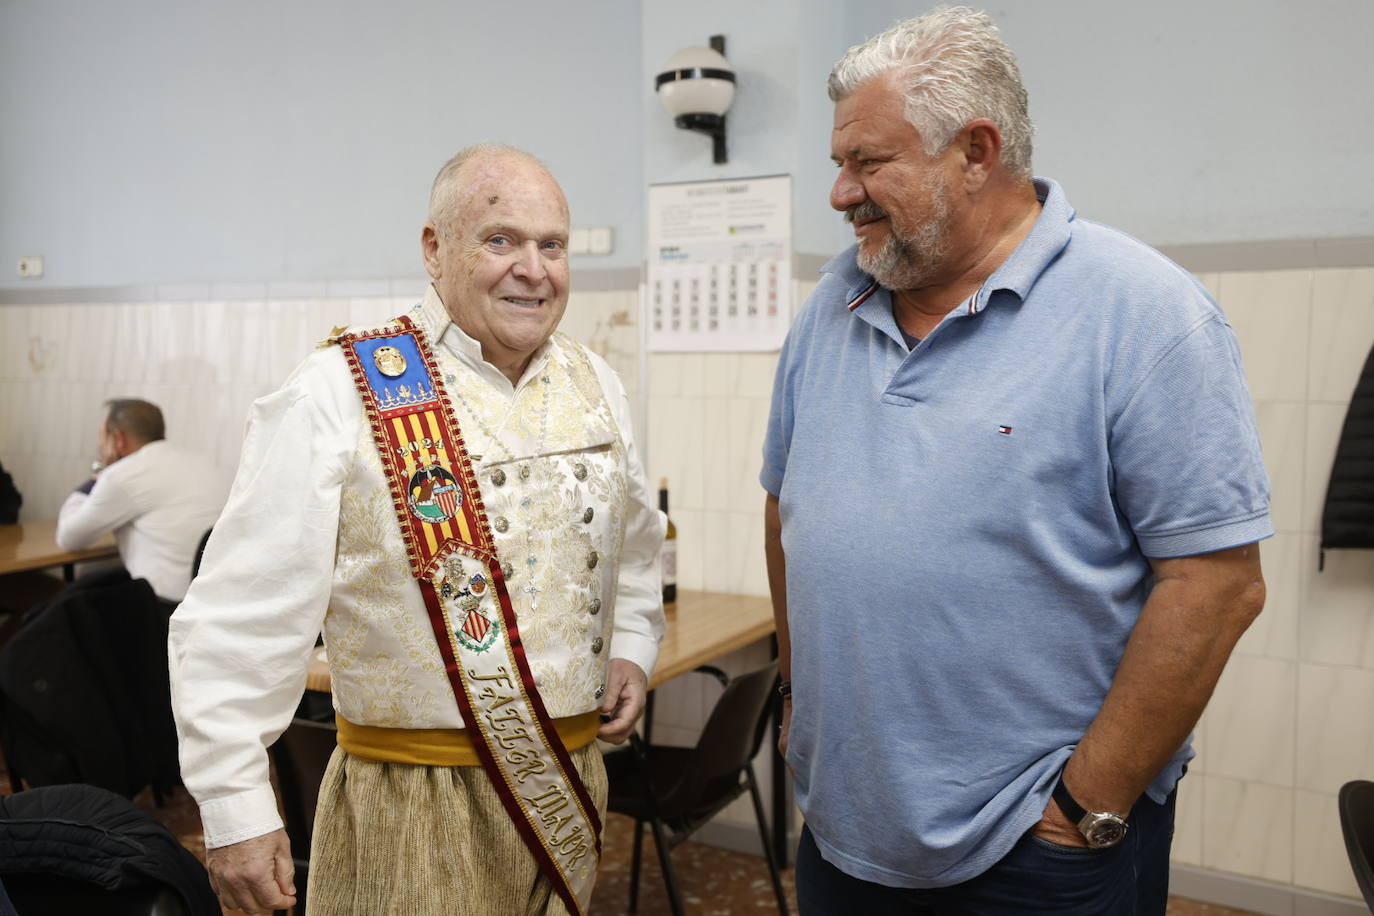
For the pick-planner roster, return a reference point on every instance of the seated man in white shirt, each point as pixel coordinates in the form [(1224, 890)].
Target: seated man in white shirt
[(159, 499)]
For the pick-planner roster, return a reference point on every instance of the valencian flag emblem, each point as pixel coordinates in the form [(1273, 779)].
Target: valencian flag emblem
[(476, 631)]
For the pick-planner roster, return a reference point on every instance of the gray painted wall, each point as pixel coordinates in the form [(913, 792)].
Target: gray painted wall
[(151, 141), (1196, 121), (165, 141)]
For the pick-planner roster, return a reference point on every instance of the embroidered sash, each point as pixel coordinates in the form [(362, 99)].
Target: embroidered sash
[(453, 558)]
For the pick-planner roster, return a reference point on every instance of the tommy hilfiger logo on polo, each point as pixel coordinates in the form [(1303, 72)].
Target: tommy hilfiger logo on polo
[(1004, 430)]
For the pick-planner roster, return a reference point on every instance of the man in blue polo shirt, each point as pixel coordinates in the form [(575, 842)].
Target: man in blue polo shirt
[(1014, 489)]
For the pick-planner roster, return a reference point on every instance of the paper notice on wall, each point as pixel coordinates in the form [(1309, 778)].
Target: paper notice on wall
[(720, 264)]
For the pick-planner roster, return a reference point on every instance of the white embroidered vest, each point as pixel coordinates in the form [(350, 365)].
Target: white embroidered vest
[(552, 470)]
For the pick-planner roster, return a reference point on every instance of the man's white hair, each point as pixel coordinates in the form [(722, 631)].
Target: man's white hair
[(951, 66), (444, 194)]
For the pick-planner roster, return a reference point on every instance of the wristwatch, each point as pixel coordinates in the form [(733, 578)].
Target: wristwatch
[(1101, 829)]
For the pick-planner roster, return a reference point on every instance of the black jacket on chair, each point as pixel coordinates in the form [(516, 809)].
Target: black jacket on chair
[(1348, 515), (10, 499), (60, 838), (84, 694)]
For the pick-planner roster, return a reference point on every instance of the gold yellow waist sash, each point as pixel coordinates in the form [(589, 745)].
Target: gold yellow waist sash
[(444, 747)]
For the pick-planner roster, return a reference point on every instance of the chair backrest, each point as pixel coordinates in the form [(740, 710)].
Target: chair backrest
[(85, 692), (1356, 802), (730, 739), (200, 551)]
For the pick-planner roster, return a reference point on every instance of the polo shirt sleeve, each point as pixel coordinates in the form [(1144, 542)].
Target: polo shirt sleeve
[(1185, 450), (778, 436)]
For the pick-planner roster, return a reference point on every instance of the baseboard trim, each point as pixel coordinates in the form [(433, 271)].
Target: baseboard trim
[(1258, 896)]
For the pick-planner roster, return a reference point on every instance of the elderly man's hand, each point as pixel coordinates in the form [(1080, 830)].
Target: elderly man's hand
[(256, 875), (626, 687)]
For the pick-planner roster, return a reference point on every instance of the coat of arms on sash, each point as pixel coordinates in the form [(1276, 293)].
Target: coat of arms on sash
[(473, 628), (434, 494)]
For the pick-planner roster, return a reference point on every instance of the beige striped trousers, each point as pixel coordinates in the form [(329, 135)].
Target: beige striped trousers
[(395, 838)]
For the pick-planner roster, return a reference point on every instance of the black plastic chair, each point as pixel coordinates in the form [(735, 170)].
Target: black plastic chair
[(300, 756), (678, 790), (1356, 802), (200, 551)]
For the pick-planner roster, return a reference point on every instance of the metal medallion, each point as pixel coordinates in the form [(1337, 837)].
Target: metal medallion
[(389, 361)]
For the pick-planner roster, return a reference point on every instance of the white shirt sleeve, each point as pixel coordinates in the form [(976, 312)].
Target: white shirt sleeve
[(239, 642), (639, 620), (84, 518)]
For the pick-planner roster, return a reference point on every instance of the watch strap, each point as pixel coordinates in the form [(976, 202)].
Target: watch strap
[(1072, 809)]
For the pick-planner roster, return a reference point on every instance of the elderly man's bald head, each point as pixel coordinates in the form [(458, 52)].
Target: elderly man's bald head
[(456, 176), (496, 246)]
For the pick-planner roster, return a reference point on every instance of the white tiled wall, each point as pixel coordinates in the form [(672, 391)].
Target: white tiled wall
[(707, 416), (1293, 716), (203, 361), (1292, 719)]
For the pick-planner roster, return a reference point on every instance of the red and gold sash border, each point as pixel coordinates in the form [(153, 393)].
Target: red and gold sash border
[(426, 554)]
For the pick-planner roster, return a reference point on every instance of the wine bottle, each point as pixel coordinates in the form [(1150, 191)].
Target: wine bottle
[(669, 555)]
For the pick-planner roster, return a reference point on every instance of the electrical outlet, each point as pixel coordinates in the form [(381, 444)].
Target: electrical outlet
[(31, 266), (599, 240)]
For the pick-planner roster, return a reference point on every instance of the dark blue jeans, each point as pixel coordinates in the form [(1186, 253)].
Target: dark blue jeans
[(1130, 879)]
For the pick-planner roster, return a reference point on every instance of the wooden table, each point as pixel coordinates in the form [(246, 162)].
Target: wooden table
[(703, 626), (33, 545)]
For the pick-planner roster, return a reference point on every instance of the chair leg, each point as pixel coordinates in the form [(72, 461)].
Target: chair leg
[(669, 880), (763, 836), (634, 865)]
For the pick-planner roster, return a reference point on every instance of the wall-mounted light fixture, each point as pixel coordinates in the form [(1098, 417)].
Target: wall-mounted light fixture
[(697, 87)]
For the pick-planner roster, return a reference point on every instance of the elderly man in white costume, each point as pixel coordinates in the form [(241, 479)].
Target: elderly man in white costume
[(456, 499)]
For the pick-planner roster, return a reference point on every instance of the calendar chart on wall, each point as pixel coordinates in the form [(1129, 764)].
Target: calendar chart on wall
[(719, 265)]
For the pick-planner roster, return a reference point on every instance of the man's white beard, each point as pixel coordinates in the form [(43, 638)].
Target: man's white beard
[(911, 260)]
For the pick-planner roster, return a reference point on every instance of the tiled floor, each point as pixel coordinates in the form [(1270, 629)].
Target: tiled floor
[(713, 882)]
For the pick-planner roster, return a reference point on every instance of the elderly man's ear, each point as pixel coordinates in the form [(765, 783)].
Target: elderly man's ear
[(980, 144), (429, 250)]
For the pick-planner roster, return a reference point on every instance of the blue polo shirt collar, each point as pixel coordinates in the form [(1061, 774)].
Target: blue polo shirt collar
[(1017, 274), (1037, 251)]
